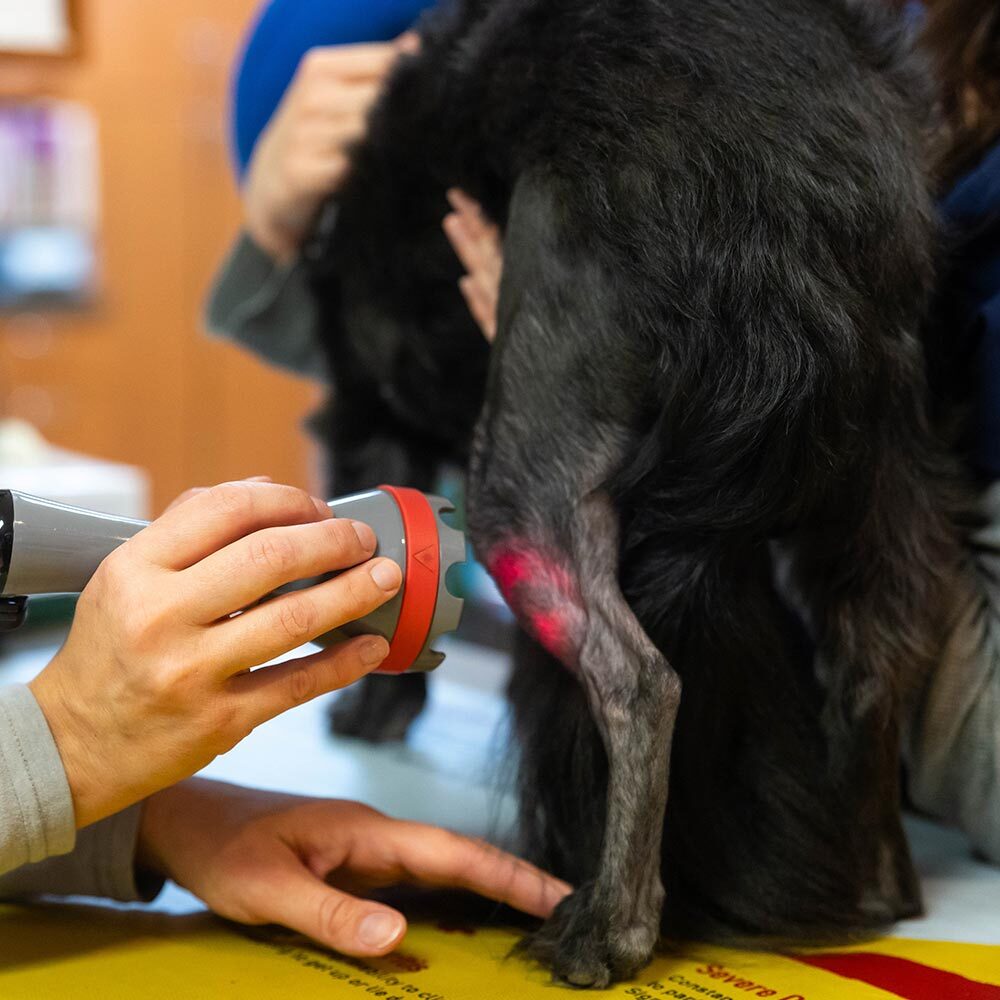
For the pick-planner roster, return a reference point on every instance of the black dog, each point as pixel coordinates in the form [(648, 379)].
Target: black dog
[(701, 450)]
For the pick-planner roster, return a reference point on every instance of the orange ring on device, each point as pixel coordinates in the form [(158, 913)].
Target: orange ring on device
[(420, 580)]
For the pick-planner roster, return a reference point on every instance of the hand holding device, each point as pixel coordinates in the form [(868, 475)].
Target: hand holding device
[(155, 678)]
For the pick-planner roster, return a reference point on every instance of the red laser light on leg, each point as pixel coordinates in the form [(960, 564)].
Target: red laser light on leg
[(550, 629), (510, 570), (543, 593)]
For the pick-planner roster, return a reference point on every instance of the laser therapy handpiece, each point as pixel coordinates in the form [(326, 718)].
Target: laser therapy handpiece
[(51, 548)]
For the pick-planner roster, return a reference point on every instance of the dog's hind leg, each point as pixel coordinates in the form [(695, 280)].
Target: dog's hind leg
[(570, 600), (558, 425)]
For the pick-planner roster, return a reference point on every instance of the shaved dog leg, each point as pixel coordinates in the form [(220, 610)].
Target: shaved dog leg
[(572, 604)]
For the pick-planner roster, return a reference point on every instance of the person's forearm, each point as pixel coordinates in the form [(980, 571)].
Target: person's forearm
[(40, 851)]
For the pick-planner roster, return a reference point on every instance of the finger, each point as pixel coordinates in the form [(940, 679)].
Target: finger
[(465, 246), (291, 895), (322, 134), (185, 496), (486, 280), (220, 515), (334, 101), (285, 623), (246, 570), (322, 172), (481, 305), (481, 274), (461, 202), (471, 212), (363, 60), (440, 858), (195, 490), (477, 245), (268, 692), (320, 176), (408, 43)]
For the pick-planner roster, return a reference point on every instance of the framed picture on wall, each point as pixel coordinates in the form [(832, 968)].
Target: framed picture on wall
[(38, 27)]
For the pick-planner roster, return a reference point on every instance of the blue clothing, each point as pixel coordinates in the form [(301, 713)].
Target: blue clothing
[(284, 31), (972, 297)]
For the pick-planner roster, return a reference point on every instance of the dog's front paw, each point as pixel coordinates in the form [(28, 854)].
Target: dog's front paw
[(585, 948)]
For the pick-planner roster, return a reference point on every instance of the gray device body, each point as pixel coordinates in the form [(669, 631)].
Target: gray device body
[(52, 548)]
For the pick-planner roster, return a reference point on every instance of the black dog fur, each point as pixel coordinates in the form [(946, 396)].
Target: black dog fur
[(701, 449)]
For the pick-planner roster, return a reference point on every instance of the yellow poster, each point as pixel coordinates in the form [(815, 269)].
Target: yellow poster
[(93, 953)]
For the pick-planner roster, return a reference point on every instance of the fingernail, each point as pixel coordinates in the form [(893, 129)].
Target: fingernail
[(365, 535), (379, 930), (386, 574), (258, 479), (373, 650)]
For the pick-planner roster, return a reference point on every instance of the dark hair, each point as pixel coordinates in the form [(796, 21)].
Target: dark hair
[(963, 39)]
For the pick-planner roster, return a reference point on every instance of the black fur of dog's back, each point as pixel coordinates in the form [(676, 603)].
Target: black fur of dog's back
[(716, 147), (717, 261)]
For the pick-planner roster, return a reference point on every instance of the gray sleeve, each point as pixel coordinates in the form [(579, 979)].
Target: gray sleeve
[(268, 309), (37, 825), (36, 809), (101, 864), (953, 741)]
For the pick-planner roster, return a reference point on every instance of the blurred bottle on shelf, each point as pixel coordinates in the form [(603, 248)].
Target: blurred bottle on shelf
[(49, 204)]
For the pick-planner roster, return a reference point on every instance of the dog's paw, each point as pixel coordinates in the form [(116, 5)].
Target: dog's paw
[(585, 948), (379, 709)]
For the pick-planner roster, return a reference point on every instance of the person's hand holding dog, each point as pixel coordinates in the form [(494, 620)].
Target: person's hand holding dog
[(479, 248), (302, 155), (155, 677)]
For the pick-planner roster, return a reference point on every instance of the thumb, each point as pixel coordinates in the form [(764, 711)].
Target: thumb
[(343, 922)]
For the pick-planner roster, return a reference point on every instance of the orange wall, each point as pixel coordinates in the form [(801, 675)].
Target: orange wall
[(135, 379)]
